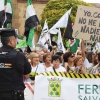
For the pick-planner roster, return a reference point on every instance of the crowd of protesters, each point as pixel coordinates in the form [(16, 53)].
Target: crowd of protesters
[(53, 60)]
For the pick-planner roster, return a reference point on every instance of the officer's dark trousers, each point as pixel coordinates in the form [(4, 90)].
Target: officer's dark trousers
[(9, 96)]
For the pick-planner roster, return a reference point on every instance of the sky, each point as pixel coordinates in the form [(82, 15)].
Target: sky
[(92, 1)]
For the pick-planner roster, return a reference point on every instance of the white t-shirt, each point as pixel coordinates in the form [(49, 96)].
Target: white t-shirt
[(60, 69), (46, 69), (87, 64), (50, 69), (37, 69)]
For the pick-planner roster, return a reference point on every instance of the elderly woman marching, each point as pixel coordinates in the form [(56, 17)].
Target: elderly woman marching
[(35, 67), (47, 65), (79, 65)]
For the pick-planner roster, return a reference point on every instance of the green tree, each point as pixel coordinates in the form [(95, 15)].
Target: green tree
[(56, 8)]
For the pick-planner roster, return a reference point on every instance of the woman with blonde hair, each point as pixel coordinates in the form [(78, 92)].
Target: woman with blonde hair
[(79, 65), (34, 61)]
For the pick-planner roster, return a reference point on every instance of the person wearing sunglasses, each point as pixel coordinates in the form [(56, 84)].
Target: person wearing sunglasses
[(69, 61), (36, 68)]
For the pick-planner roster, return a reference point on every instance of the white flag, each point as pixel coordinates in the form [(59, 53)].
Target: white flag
[(1, 5), (9, 8), (2, 12), (45, 35), (62, 23), (59, 42), (9, 13)]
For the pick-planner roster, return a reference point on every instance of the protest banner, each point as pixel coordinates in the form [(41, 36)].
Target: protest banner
[(49, 86), (87, 24), (29, 91)]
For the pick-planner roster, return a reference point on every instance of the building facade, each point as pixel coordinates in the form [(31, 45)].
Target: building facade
[(19, 7)]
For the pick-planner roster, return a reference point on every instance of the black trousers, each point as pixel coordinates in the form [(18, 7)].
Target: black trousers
[(10, 96)]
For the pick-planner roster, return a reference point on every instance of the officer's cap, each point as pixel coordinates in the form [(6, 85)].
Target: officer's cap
[(8, 32)]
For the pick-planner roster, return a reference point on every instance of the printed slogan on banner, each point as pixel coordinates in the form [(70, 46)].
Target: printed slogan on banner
[(87, 24)]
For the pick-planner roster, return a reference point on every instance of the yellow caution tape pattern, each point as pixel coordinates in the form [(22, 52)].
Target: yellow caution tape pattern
[(69, 75)]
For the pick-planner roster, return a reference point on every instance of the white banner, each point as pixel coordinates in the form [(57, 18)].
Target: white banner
[(62, 88), (29, 91)]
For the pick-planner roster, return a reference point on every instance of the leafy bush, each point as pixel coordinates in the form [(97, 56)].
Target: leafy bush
[(56, 8)]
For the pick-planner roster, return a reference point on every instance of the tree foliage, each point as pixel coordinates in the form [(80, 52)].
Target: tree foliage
[(56, 8)]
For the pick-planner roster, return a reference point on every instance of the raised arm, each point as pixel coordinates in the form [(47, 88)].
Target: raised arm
[(83, 50)]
